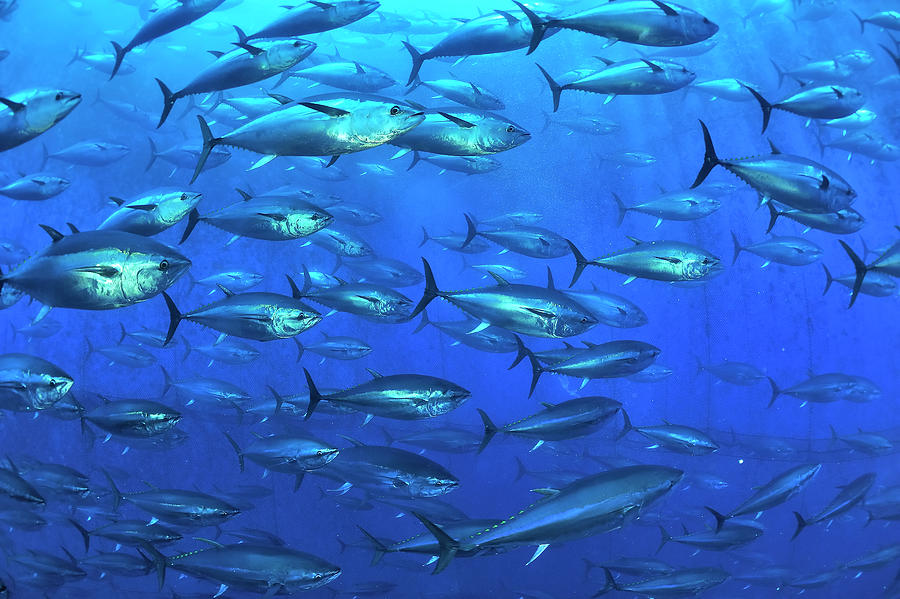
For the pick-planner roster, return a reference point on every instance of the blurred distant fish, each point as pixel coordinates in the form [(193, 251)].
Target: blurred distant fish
[(383, 271), (35, 188), (491, 339), (886, 19), (791, 251), (733, 90), (227, 351), (823, 102), (129, 112), (677, 206), (358, 215), (335, 347), (165, 19), (839, 68), (27, 114), (842, 222), (89, 153), (232, 280), (829, 387), (534, 242), (342, 243), (371, 301), (610, 309), (589, 124), (133, 419), (187, 155)]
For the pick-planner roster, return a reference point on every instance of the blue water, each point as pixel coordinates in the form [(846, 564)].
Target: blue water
[(775, 318)]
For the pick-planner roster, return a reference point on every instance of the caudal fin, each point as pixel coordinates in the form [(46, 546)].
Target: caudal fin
[(418, 59), (555, 88), (627, 427), (665, 537), (720, 518), (448, 546), (154, 154), (490, 429), (861, 271), (538, 27), (174, 317), (237, 449), (611, 584), (737, 248), (209, 142), (422, 323), (621, 208), (828, 280), (120, 56), (193, 219), (314, 396), (378, 546), (416, 158), (580, 263), (778, 70), (431, 290), (710, 160), (773, 215), (169, 99), (776, 391), (801, 524), (521, 352), (764, 104), (471, 231), (862, 21)]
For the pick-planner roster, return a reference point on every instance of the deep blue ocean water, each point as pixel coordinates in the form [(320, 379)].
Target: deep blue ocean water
[(775, 318)]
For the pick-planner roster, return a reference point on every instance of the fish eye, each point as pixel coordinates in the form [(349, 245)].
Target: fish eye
[(59, 96), (184, 197), (296, 44), (395, 110), (510, 129), (164, 265), (705, 20)]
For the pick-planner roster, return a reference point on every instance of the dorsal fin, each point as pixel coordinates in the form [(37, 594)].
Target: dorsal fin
[(224, 290), (359, 69), (244, 195), (375, 374), (117, 201), (634, 240), (605, 61), (510, 19), (53, 233), (774, 149), (550, 284), (356, 442), (216, 53), (653, 66), (295, 291), (568, 345), (665, 8), (280, 98), (73, 228), (475, 88)]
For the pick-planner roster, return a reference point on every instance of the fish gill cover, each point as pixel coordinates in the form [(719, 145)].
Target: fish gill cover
[(364, 299)]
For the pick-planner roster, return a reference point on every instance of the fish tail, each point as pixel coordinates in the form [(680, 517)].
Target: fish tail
[(122, 333), (76, 57), (417, 60), (431, 290), (169, 99), (490, 429), (720, 518), (710, 160), (627, 427), (85, 535), (737, 247), (773, 215), (588, 566), (120, 56), (538, 27), (45, 156), (776, 391), (378, 546), (209, 142), (580, 262), (521, 470), (471, 230), (622, 209), (422, 323), (861, 270), (801, 524), (159, 560), (425, 237), (300, 348), (237, 449), (764, 104), (314, 396), (193, 219), (448, 546), (187, 348), (779, 71), (117, 495), (665, 537), (521, 352), (536, 371), (416, 82), (828, 280), (416, 157), (154, 154), (174, 317), (279, 400), (862, 22), (307, 283), (555, 88), (895, 57), (611, 584), (167, 381)]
